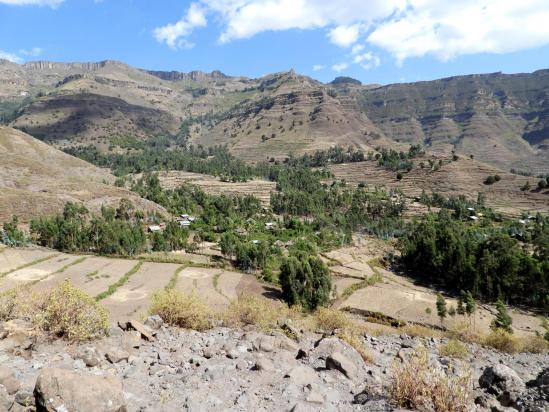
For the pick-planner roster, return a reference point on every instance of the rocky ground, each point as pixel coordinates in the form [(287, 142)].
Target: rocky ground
[(152, 367)]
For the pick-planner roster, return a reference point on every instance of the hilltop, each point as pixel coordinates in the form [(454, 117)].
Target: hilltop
[(498, 118)]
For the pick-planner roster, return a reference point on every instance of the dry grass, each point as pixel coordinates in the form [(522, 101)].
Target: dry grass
[(330, 320), (454, 349), (421, 331), (418, 385), (10, 303), (70, 313), (178, 309), (502, 341), (263, 313), (534, 344)]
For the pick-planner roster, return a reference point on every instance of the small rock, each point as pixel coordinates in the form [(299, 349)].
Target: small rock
[(264, 364), (302, 375), (24, 398), (6, 401), (90, 356), (341, 363), (145, 331), (131, 340), (116, 355), (8, 381), (154, 322)]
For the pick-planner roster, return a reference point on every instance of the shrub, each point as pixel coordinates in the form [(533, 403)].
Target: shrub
[(490, 180), (454, 349), (502, 320), (9, 300), (328, 319), (260, 312), (178, 309), (502, 341), (534, 344), (418, 385), (305, 280), (71, 313)]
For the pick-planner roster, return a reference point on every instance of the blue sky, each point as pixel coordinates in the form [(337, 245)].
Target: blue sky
[(375, 41)]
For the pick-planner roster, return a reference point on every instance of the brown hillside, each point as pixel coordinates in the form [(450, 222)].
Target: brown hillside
[(37, 179)]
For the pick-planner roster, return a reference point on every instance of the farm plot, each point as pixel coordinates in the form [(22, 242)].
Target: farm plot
[(216, 287), (400, 298), (11, 259), (92, 274), (38, 271), (133, 298)]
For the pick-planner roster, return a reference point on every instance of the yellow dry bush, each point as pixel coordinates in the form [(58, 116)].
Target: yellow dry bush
[(502, 341), (329, 319), (353, 335), (178, 309), (534, 344), (421, 331), (9, 304), (71, 313), (454, 349), (417, 385), (263, 313)]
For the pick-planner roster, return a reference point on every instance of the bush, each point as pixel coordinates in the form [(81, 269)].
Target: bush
[(305, 281), (534, 344), (178, 309), (502, 341), (328, 319), (418, 385), (454, 349), (490, 180), (260, 312), (9, 302), (71, 313)]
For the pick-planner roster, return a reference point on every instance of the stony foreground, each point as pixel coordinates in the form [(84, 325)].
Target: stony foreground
[(154, 368)]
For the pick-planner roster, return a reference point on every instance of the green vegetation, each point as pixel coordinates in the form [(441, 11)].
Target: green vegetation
[(395, 161), (120, 282), (305, 280), (486, 261), (441, 307), (12, 235), (502, 320), (490, 180)]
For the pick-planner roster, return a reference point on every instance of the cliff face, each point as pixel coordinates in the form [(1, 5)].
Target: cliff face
[(497, 118)]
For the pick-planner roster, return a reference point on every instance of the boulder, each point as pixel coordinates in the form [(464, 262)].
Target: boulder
[(302, 375), (62, 390), (146, 332), (6, 400), (504, 383)]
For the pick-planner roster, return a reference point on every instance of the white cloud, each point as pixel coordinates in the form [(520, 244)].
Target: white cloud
[(344, 36), (34, 52), (339, 67), (50, 3), (403, 28), (367, 60), (10, 56), (318, 67), (452, 28), (175, 35)]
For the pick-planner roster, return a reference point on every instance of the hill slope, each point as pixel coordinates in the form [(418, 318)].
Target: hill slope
[(500, 119), (37, 179)]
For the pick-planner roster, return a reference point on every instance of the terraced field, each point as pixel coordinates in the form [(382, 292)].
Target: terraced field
[(212, 185), (123, 286), (464, 176)]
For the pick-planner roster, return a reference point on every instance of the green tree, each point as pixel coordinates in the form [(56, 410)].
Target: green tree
[(305, 280), (441, 307), (460, 306), (15, 236), (502, 320)]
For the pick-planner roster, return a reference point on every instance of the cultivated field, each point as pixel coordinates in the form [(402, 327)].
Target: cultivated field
[(464, 176), (43, 269), (212, 185), (399, 297)]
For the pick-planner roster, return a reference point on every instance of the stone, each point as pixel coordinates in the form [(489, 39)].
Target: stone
[(90, 356), (266, 344), (24, 398), (302, 375), (264, 364), (154, 322), (339, 362), (8, 381), (6, 401), (504, 383), (61, 390), (146, 332), (116, 355), (131, 340)]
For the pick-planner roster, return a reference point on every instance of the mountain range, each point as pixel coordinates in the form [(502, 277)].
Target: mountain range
[(500, 119)]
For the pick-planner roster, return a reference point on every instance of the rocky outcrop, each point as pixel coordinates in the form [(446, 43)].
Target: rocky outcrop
[(231, 369)]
